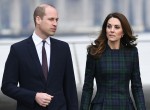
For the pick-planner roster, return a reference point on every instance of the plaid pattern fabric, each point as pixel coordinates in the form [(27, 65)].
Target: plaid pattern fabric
[(113, 72)]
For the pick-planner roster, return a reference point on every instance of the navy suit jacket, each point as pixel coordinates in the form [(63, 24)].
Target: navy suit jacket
[(23, 76)]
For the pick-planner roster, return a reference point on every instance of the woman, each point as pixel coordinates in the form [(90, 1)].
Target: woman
[(113, 61)]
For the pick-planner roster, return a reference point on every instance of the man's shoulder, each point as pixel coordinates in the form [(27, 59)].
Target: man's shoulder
[(21, 45), (58, 41), (59, 44), (22, 42)]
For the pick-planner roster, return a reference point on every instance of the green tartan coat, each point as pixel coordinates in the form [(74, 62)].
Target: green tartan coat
[(113, 72)]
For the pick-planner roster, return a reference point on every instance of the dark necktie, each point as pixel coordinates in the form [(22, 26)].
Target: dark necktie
[(44, 60)]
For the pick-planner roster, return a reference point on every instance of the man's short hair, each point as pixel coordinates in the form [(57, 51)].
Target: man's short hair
[(40, 11)]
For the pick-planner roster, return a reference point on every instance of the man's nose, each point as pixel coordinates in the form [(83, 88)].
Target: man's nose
[(55, 23)]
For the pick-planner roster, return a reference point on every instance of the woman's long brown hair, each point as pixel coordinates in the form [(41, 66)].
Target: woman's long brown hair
[(128, 40)]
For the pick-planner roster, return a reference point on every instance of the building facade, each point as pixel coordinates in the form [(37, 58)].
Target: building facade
[(76, 16)]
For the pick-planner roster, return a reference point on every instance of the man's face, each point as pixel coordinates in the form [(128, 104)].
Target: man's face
[(48, 24)]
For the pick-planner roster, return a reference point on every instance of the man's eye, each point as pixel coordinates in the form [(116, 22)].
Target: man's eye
[(56, 20)]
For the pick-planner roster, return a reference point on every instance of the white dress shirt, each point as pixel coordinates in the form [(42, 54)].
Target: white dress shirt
[(38, 44)]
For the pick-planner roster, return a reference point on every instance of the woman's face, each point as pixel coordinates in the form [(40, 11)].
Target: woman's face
[(114, 30)]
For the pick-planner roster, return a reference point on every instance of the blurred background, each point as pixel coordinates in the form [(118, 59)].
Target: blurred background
[(79, 24), (76, 16)]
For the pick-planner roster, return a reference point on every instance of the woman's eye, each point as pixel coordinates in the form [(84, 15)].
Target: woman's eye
[(117, 27), (109, 26)]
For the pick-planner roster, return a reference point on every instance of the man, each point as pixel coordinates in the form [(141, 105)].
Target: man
[(39, 72)]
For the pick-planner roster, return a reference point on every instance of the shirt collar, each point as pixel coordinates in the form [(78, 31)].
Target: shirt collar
[(37, 40)]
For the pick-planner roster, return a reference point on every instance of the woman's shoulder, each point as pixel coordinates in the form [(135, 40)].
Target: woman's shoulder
[(132, 51), (134, 48)]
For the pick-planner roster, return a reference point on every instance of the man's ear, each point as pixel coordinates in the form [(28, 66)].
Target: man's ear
[(38, 20)]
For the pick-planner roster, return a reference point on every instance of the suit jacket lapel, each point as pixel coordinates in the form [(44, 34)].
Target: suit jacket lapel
[(34, 55), (52, 57)]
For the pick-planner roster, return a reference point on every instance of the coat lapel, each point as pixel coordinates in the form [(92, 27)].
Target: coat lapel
[(34, 55), (53, 56)]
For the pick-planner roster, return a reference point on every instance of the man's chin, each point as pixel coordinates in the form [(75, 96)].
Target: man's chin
[(52, 34)]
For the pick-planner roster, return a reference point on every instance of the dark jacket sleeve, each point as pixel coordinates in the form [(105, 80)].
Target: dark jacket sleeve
[(88, 83), (136, 83), (11, 78), (69, 84)]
